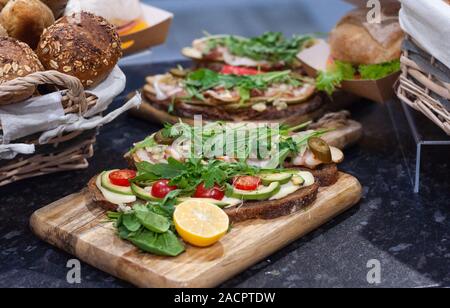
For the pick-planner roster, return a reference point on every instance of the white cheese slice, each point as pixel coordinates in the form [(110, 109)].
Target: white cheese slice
[(113, 197), (308, 177), (231, 201), (285, 190)]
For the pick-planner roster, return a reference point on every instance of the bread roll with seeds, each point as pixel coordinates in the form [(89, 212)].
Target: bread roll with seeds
[(82, 45), (3, 3), (25, 20), (17, 60), (3, 32)]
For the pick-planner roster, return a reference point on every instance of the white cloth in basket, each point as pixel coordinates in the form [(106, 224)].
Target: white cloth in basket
[(428, 22), (46, 114)]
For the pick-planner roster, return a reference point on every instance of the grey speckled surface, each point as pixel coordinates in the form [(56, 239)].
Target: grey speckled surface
[(409, 234)]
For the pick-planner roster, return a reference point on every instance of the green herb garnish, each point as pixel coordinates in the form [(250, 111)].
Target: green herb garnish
[(270, 46), (202, 80)]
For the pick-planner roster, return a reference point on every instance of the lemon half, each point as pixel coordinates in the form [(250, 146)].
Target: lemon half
[(200, 223)]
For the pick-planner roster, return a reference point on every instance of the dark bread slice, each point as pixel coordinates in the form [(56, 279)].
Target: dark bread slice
[(97, 196), (312, 108), (248, 210), (276, 208), (327, 174)]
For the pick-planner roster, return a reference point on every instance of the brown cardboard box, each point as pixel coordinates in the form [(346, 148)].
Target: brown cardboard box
[(315, 59), (159, 22)]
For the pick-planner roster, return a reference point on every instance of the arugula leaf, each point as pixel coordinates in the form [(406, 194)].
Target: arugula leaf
[(203, 79), (146, 143), (270, 46), (378, 71)]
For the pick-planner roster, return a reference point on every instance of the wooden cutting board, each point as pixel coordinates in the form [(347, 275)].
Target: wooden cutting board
[(77, 226)]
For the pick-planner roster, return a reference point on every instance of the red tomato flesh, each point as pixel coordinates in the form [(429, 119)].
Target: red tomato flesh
[(237, 70), (161, 188), (122, 177), (247, 182), (211, 193)]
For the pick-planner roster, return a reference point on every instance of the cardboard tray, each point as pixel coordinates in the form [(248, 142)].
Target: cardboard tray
[(159, 22), (315, 59)]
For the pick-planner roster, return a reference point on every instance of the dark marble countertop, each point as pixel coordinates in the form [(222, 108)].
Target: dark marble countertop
[(409, 234)]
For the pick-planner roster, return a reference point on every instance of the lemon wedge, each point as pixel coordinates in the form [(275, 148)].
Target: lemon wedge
[(200, 223)]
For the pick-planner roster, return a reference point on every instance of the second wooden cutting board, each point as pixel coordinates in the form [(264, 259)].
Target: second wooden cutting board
[(77, 226)]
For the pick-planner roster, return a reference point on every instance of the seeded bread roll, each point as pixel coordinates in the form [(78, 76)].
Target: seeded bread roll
[(3, 32), (25, 20), (3, 3), (17, 60), (57, 6), (82, 45)]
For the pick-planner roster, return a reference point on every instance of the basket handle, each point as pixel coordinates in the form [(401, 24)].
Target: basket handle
[(19, 85)]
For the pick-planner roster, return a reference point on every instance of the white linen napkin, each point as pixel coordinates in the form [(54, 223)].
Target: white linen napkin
[(428, 22)]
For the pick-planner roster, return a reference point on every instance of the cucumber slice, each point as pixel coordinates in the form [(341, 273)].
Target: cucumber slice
[(263, 193), (143, 194), (112, 196), (281, 178), (106, 183)]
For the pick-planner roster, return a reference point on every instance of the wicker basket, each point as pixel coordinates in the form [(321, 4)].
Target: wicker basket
[(425, 84), (66, 152)]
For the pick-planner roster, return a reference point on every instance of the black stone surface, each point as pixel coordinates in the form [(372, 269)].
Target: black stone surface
[(409, 234)]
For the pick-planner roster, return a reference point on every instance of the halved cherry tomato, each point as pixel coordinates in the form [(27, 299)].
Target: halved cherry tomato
[(161, 188), (237, 70), (122, 177), (212, 193), (247, 182)]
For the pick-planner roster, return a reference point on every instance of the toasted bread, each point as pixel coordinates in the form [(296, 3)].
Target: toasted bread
[(245, 211), (311, 108), (97, 196), (275, 208)]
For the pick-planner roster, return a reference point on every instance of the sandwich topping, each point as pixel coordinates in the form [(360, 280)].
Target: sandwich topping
[(285, 145), (268, 51), (188, 178), (234, 88)]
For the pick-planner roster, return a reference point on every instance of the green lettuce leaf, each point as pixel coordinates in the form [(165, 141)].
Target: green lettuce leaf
[(378, 71)]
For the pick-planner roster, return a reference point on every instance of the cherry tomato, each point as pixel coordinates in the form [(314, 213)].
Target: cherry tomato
[(237, 70), (122, 177), (247, 182), (213, 193), (161, 188)]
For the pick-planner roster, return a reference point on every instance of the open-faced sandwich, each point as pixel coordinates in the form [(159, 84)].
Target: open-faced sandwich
[(268, 52), (240, 96), (265, 172)]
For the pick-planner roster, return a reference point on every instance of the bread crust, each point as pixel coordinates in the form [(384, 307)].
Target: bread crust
[(212, 113), (97, 196), (82, 45), (25, 20), (350, 41), (17, 60), (248, 210), (275, 208)]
